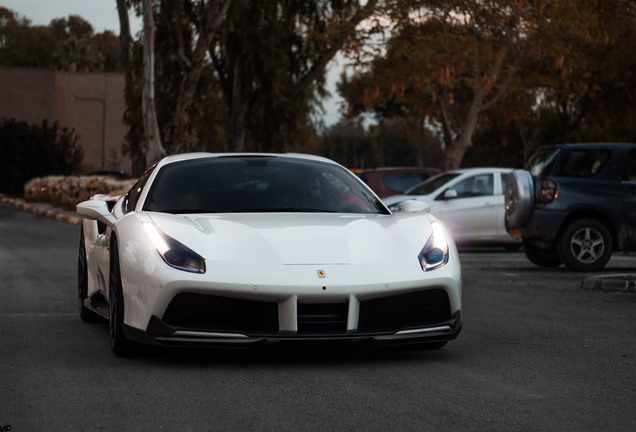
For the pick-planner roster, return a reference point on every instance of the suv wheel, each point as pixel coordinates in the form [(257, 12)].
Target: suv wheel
[(518, 198), (540, 256), (585, 245)]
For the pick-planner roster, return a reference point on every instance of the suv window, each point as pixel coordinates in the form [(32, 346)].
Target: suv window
[(583, 163), (541, 160)]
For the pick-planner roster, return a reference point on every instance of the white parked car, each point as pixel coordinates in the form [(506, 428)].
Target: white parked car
[(469, 201), (239, 249)]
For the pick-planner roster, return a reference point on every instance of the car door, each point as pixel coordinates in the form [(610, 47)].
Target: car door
[(469, 208), (629, 199)]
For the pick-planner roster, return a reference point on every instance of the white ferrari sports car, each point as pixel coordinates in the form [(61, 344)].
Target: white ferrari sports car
[(240, 249)]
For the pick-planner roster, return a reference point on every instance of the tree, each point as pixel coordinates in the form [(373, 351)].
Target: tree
[(454, 61), (77, 55), (108, 45), (349, 144), (134, 144), (22, 45), (73, 26), (265, 59), (588, 84), (30, 151), (270, 57), (153, 150), (190, 43), (183, 31), (66, 44)]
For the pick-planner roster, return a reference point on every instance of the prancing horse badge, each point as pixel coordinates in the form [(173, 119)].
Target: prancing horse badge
[(321, 274)]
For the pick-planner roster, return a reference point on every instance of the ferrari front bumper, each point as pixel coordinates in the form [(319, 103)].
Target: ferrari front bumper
[(203, 320)]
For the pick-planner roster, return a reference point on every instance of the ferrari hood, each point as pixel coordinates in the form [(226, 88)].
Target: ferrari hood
[(299, 239)]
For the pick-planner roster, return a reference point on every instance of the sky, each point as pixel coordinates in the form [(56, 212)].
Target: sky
[(102, 14)]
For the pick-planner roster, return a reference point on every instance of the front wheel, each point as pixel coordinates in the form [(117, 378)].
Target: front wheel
[(85, 313), (541, 256), (585, 245), (119, 344)]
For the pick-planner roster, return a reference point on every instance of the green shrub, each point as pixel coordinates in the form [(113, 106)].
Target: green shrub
[(29, 151)]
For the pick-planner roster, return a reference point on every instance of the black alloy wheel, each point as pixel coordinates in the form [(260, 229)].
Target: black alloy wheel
[(119, 344), (85, 313), (585, 245), (540, 256)]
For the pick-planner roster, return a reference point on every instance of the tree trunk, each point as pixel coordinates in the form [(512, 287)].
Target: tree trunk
[(182, 138), (239, 108), (455, 152), (125, 39), (136, 152), (152, 140)]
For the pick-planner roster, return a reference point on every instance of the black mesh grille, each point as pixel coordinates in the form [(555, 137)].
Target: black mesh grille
[(214, 313), (405, 311), (322, 318)]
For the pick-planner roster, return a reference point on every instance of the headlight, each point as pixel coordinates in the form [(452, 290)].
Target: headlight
[(435, 252), (174, 253)]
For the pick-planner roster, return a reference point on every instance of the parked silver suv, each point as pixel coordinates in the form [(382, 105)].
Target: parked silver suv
[(574, 204)]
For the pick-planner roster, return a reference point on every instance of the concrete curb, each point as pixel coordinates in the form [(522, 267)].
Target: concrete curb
[(42, 209), (615, 282)]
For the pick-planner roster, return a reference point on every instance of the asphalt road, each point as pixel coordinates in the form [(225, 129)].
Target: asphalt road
[(537, 353)]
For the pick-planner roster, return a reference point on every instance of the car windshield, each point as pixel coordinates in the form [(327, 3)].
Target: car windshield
[(541, 160), (258, 184), (432, 184)]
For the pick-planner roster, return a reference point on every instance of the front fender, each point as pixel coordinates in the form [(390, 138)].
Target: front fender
[(142, 269)]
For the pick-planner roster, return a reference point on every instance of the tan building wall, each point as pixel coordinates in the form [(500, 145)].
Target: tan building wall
[(91, 103)]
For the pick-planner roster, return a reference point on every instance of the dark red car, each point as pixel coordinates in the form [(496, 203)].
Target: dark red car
[(394, 181)]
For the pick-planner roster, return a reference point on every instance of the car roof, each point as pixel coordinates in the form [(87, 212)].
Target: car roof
[(203, 155), (479, 170)]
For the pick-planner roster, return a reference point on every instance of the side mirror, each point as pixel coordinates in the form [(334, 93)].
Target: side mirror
[(96, 209), (450, 194), (414, 206)]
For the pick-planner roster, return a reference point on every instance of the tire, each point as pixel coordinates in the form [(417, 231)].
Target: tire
[(518, 198), (118, 343), (541, 257), (586, 245), (85, 313)]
